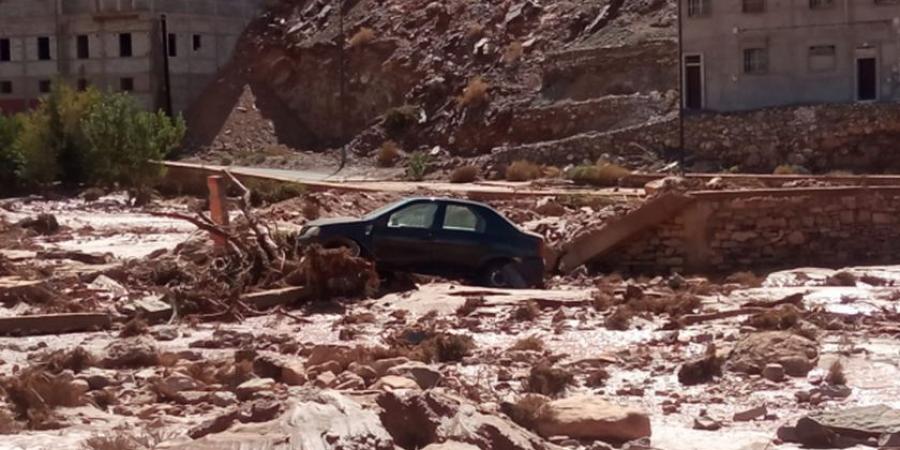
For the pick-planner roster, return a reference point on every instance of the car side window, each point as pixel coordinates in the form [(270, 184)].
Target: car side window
[(420, 215), (463, 218)]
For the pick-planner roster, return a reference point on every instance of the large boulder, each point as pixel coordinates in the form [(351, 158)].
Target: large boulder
[(592, 418), (846, 428), (796, 354), (417, 419), (318, 420)]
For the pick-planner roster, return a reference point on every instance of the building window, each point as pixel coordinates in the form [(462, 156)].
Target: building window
[(754, 6), (198, 42), (820, 4), (5, 87), (172, 44), (822, 58), (756, 61), (5, 53), (697, 8), (125, 45), (44, 86), (126, 84), (43, 48), (83, 45), (82, 84)]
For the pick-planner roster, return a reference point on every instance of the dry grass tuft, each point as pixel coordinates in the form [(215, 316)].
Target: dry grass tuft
[(76, 360), (523, 170), (529, 343), (364, 36), (34, 393), (547, 380), (446, 347), (602, 301), (602, 174), (134, 327), (836, 374), (123, 441), (746, 279), (597, 378), (702, 370), (513, 52), (475, 93), (389, 154), (526, 411), (620, 319), (527, 312), (841, 279), (781, 318), (785, 169), (464, 174), (472, 303)]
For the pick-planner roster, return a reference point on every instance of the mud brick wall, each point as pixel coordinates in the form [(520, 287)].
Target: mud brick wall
[(726, 232)]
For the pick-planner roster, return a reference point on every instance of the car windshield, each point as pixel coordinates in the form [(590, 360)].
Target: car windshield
[(378, 212)]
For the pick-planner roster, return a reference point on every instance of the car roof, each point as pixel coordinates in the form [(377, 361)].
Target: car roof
[(447, 200)]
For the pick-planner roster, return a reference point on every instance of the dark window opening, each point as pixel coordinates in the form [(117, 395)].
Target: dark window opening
[(693, 82), (754, 6), (126, 84), (867, 79), (198, 42), (44, 86), (172, 45), (5, 53), (5, 87), (82, 84), (756, 61), (698, 8), (84, 46), (43, 48), (125, 50)]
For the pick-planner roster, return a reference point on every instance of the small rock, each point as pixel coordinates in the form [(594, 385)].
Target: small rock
[(350, 381), (706, 424), (383, 365), (179, 382), (366, 372), (222, 398), (248, 388), (802, 396), (325, 380), (393, 383), (215, 425), (424, 375), (293, 373), (773, 372), (592, 418), (750, 414)]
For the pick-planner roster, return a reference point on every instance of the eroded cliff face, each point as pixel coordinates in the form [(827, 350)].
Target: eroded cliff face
[(463, 75)]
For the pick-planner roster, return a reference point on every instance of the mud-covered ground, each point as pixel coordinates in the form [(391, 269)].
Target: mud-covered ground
[(429, 362)]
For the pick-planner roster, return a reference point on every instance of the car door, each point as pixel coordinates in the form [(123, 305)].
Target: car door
[(401, 239), (461, 240)]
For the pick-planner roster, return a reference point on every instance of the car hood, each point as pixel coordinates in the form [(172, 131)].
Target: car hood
[(334, 221)]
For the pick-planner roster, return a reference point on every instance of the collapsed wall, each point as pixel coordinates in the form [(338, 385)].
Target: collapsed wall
[(727, 231)]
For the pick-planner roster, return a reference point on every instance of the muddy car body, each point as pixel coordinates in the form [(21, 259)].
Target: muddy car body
[(438, 236)]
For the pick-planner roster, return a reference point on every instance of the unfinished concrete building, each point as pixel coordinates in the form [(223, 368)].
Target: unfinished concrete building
[(117, 45), (748, 54)]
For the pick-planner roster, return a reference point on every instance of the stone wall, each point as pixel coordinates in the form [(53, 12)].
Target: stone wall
[(724, 232), (860, 138)]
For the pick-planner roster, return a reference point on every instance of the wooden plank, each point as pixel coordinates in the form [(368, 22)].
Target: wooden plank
[(275, 297), (596, 243), (53, 324)]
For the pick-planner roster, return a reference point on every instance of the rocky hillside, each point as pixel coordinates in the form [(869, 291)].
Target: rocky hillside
[(469, 77)]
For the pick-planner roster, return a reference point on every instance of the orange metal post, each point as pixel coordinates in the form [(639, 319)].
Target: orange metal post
[(218, 210)]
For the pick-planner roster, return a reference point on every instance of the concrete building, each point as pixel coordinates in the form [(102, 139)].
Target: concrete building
[(748, 54), (116, 45)]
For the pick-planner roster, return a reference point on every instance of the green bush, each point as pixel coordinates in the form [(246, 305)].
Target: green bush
[(417, 166), (125, 142), (10, 157)]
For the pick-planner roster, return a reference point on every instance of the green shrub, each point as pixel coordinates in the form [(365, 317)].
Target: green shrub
[(417, 166), (11, 160), (398, 120), (523, 170), (51, 140), (125, 141)]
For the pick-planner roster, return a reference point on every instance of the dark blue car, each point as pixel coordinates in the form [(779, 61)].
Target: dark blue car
[(438, 236)]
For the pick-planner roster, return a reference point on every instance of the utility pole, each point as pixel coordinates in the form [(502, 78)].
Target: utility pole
[(342, 107), (681, 99), (167, 77)]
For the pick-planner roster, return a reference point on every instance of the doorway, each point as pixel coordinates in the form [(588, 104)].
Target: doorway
[(693, 82), (866, 79)]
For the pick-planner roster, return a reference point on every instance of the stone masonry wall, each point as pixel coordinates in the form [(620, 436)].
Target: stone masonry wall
[(741, 231)]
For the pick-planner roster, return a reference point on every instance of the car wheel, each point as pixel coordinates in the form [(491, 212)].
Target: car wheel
[(503, 275)]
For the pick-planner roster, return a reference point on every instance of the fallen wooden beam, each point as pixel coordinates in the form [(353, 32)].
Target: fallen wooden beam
[(54, 324), (700, 318), (275, 297)]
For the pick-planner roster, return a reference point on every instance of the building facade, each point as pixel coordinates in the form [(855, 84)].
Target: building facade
[(117, 45), (749, 54)]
